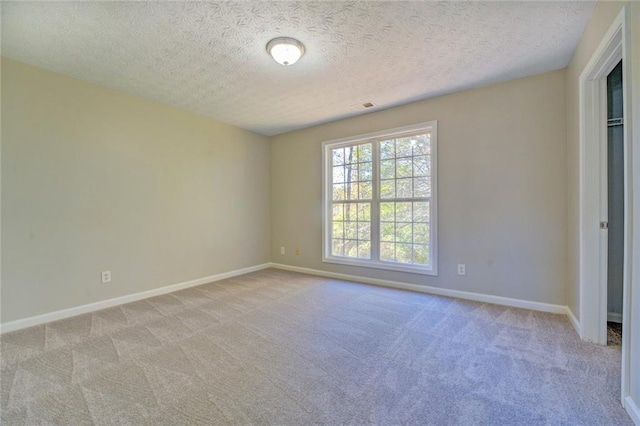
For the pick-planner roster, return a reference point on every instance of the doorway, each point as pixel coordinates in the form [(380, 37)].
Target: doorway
[(593, 196), (615, 207)]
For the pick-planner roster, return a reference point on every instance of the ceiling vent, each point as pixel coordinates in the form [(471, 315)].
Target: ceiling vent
[(361, 106)]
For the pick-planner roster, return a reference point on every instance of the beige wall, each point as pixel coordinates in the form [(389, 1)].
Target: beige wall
[(94, 179), (633, 122), (502, 188), (603, 15)]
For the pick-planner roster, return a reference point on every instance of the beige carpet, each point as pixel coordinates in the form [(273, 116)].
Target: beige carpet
[(281, 348), (614, 333)]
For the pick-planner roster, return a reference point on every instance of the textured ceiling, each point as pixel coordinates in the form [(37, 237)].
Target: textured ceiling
[(210, 58)]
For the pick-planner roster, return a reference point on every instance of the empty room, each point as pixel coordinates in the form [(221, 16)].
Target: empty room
[(320, 212)]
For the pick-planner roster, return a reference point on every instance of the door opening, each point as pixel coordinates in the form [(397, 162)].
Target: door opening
[(615, 205), (593, 242)]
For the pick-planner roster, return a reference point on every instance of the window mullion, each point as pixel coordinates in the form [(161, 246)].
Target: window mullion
[(375, 202)]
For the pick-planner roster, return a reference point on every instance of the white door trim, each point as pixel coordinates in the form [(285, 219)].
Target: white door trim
[(593, 189)]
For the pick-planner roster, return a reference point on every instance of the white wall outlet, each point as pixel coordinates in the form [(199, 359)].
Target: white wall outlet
[(462, 269), (106, 277), (281, 250)]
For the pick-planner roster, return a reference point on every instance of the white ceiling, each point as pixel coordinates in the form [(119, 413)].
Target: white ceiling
[(210, 57)]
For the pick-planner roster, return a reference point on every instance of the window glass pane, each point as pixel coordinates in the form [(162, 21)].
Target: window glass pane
[(350, 154), (422, 187), (351, 230), (404, 167), (387, 188), (351, 173), (403, 147), (338, 174), (365, 173), (388, 252), (420, 166), (387, 149), (351, 248), (351, 237), (364, 231), (404, 173), (364, 212), (387, 231), (337, 247), (351, 211), (365, 190), (422, 145), (338, 191), (364, 152), (338, 211), (387, 169), (404, 253), (404, 188), (420, 233), (421, 254), (364, 250), (388, 212), (338, 229), (337, 155), (421, 211), (403, 232), (403, 212), (352, 191)]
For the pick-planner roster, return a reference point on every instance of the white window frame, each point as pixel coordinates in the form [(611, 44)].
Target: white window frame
[(327, 193)]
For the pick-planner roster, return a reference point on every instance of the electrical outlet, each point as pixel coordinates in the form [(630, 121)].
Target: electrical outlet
[(281, 250), (462, 269), (106, 277), (297, 251)]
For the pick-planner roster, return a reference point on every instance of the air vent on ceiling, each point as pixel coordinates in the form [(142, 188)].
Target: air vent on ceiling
[(361, 106)]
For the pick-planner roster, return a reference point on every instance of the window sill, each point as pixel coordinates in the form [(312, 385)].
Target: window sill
[(432, 271)]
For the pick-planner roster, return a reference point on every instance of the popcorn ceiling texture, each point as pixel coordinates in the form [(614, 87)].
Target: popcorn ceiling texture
[(210, 57)]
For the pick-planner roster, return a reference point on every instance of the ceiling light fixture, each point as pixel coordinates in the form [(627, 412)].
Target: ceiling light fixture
[(285, 50)]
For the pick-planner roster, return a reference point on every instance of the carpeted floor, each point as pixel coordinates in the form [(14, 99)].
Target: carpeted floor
[(276, 347), (614, 333)]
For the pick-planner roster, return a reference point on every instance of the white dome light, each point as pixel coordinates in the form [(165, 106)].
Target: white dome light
[(285, 50)]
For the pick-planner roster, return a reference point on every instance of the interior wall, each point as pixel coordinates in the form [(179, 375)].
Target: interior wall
[(603, 15), (633, 293), (94, 179), (502, 189)]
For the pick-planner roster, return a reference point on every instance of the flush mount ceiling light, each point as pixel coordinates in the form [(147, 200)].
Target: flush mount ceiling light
[(285, 50)]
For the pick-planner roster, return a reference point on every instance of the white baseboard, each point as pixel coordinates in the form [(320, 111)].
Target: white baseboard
[(614, 317), (575, 322), (96, 306), (478, 297), (632, 409)]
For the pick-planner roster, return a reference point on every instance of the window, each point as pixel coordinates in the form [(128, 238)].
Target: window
[(380, 200)]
